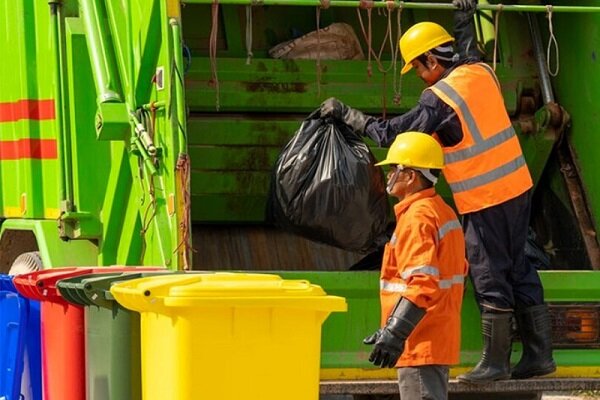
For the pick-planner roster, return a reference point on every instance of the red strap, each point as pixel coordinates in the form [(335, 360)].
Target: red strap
[(27, 109), (28, 148)]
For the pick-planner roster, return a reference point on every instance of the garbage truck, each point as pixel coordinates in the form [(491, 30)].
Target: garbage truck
[(144, 132)]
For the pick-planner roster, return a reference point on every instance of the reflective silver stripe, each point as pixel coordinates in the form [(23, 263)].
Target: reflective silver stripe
[(396, 287), (392, 286), (489, 176), (455, 280), (491, 71), (421, 269), (447, 227), (393, 239), (481, 147), (458, 100)]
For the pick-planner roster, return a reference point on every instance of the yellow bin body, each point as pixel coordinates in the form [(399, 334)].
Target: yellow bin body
[(228, 336)]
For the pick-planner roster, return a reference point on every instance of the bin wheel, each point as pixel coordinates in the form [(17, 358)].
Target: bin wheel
[(26, 262)]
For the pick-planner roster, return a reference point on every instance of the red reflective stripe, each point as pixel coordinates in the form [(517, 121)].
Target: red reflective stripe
[(28, 148), (27, 109)]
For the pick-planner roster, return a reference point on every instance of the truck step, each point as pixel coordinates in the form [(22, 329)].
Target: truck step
[(507, 386)]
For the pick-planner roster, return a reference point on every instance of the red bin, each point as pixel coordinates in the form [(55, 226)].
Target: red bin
[(62, 330)]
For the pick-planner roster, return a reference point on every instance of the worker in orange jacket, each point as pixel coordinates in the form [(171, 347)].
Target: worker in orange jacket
[(422, 274), (490, 182)]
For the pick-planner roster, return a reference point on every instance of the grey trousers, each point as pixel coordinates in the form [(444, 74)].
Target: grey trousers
[(427, 382)]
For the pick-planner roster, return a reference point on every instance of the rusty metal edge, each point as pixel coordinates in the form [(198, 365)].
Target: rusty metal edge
[(507, 386)]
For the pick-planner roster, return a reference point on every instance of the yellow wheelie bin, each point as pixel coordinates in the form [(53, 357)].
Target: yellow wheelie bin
[(228, 336)]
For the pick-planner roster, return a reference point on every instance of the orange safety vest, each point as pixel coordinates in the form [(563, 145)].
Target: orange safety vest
[(425, 263), (486, 167)]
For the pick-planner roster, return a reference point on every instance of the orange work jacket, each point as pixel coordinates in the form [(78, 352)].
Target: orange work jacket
[(425, 262), (486, 167)]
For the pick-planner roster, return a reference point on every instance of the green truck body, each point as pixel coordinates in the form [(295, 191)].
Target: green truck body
[(144, 133)]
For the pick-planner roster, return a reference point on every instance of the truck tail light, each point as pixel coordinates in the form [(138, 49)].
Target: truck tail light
[(575, 325)]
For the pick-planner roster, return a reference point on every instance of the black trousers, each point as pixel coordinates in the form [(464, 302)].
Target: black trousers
[(500, 272)]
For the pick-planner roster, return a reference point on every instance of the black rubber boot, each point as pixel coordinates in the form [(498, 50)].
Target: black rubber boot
[(536, 334), (495, 360)]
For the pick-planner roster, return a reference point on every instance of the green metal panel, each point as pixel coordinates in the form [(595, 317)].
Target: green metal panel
[(54, 251), (343, 332), (577, 88), (261, 104), (115, 194), (28, 142), (112, 185), (232, 160)]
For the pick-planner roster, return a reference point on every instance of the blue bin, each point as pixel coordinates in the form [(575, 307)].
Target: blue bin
[(20, 357)]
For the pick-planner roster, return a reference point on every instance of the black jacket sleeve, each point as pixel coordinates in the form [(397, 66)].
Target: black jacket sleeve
[(428, 116), (465, 41)]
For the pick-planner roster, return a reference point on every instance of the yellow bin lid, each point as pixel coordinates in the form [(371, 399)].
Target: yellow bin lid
[(223, 289)]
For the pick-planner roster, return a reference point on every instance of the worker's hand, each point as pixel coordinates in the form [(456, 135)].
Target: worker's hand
[(337, 110), (388, 348), (468, 6), (333, 108)]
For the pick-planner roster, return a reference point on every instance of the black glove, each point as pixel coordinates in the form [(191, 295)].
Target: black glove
[(337, 110), (372, 338), (468, 6), (333, 108), (389, 340)]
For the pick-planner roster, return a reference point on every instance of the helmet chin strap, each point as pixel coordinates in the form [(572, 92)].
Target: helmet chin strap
[(427, 174), (392, 181)]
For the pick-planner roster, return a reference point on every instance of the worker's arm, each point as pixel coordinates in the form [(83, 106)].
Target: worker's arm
[(389, 341), (422, 290), (465, 40), (422, 271), (428, 116), (421, 118), (424, 117)]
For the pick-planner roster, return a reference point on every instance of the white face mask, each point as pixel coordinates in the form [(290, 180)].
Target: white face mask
[(392, 181)]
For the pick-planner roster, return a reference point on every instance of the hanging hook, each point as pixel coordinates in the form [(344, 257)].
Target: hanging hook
[(552, 42)]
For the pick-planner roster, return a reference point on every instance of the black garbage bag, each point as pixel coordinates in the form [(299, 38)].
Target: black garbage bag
[(326, 188)]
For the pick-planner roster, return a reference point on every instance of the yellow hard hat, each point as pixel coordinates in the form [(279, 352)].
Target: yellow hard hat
[(415, 150), (419, 39)]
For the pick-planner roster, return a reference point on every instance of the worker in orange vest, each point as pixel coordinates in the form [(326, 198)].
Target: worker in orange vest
[(422, 274), (463, 108)]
